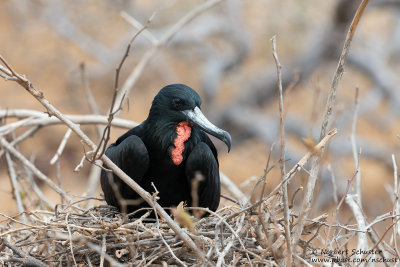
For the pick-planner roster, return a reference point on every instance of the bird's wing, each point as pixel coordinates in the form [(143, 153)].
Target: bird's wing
[(203, 164), (138, 130), (130, 154), (206, 139)]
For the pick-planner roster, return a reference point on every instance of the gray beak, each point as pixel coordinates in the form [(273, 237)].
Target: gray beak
[(196, 117)]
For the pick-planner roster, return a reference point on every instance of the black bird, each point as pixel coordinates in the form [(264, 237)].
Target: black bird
[(168, 149)]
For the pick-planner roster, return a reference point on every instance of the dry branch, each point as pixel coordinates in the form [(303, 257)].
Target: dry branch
[(315, 166), (52, 111), (24, 258), (37, 118), (16, 192), (282, 157), (32, 167), (136, 72), (97, 233), (246, 234)]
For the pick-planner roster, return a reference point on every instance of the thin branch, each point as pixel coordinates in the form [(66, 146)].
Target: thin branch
[(362, 243), (32, 167), (61, 147), (99, 251), (5, 70), (315, 165), (396, 208), (230, 243), (22, 137), (27, 260), (103, 250), (165, 242), (299, 165), (135, 23), (362, 237), (93, 177), (117, 171), (70, 239), (106, 133), (340, 67), (36, 189), (14, 184), (354, 149), (376, 244), (289, 258), (133, 77), (336, 211), (227, 183), (41, 119)]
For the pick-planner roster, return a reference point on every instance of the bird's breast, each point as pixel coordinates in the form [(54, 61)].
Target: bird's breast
[(183, 131)]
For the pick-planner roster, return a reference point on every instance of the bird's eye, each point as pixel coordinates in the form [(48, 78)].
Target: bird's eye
[(177, 102)]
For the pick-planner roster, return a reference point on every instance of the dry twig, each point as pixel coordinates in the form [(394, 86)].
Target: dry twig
[(282, 158), (327, 119), (125, 178)]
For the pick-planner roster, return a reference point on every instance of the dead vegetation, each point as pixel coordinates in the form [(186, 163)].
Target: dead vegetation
[(266, 227), (232, 236)]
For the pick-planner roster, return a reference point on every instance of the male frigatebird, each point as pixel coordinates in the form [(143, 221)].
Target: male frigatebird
[(168, 149)]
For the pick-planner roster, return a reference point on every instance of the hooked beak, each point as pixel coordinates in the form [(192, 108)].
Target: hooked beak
[(196, 117)]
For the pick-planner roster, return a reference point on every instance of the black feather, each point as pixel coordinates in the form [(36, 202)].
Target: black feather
[(144, 153)]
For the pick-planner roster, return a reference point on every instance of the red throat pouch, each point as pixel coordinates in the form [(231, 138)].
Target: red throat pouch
[(183, 130)]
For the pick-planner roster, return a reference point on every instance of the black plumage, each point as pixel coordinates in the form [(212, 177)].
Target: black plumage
[(152, 153)]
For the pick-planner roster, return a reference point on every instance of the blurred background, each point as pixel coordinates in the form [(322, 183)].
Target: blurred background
[(225, 54)]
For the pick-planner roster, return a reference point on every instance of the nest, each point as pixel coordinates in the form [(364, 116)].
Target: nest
[(71, 236)]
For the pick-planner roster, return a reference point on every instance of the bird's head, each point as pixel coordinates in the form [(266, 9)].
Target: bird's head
[(177, 103)]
